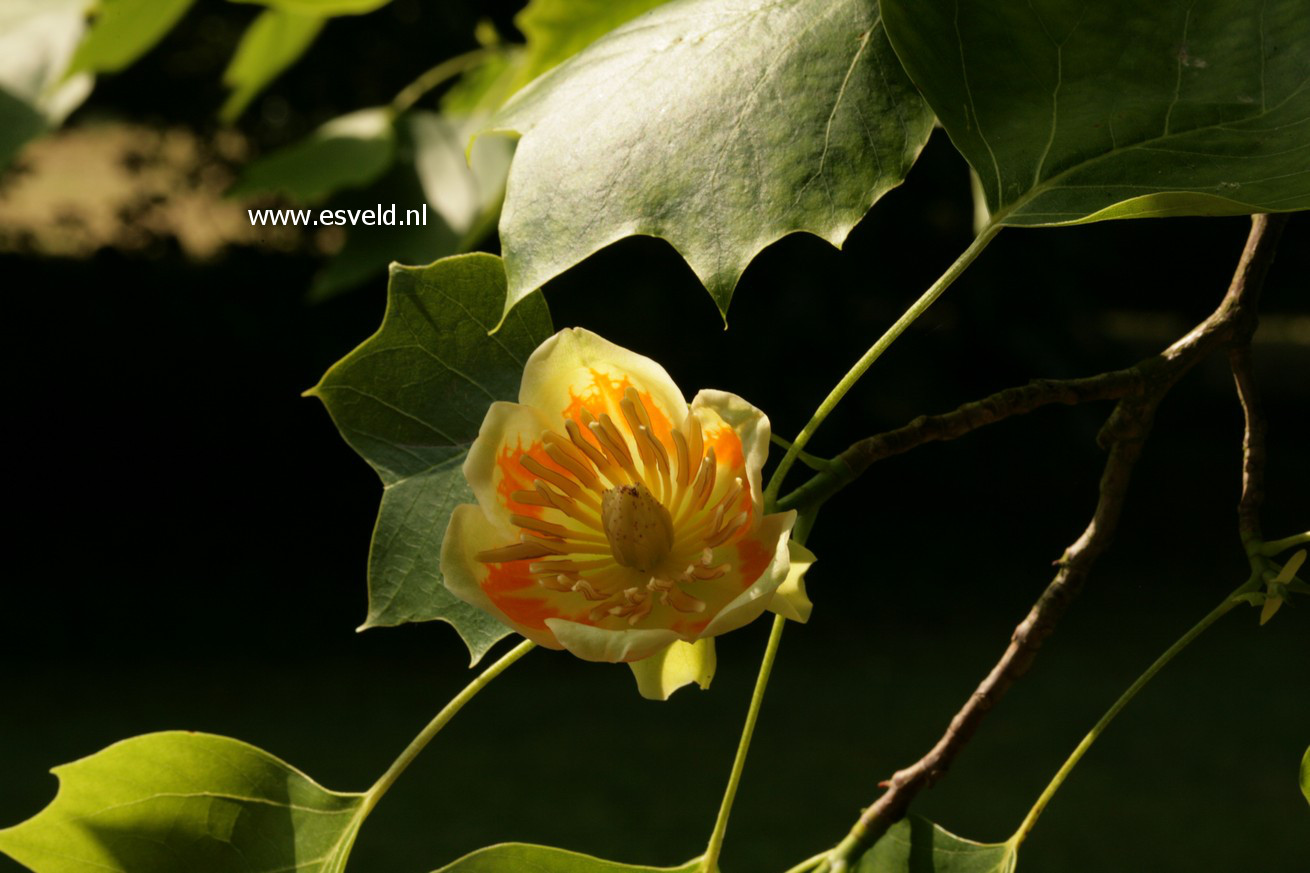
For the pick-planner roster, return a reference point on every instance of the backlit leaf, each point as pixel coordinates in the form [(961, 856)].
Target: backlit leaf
[(522, 858), (719, 125), (1073, 111), (346, 152), (916, 845), (37, 42), (124, 30), (273, 42), (410, 400), (183, 801)]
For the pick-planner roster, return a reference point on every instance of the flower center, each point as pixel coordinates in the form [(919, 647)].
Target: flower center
[(631, 523), (638, 527)]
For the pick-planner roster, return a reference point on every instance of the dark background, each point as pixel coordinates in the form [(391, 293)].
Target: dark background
[(187, 537)]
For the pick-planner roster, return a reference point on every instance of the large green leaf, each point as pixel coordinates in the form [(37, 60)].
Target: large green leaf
[(916, 845), (462, 202), (181, 801), (273, 42), (321, 7), (345, 152), (37, 41), (1305, 775), (124, 30), (523, 858), (410, 400), (1073, 111), (720, 127), (556, 30)]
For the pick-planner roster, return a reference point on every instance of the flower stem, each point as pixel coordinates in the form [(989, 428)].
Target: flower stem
[(374, 794), (1273, 547), (1063, 773), (447, 69), (711, 860), (875, 351)]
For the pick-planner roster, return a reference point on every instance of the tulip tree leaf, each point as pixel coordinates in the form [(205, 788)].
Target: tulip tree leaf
[(1073, 112), (124, 30), (719, 126), (346, 152), (410, 400), (916, 845), (38, 39), (274, 41), (1305, 775), (182, 801), (544, 859), (556, 30), (321, 7)]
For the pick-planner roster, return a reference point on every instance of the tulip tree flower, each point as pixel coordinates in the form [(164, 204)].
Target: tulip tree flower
[(618, 522)]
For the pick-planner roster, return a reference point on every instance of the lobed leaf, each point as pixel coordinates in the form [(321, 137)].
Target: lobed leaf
[(916, 845), (1073, 112), (345, 152), (321, 7), (410, 401), (274, 41), (1305, 774), (556, 30), (38, 39), (123, 31), (523, 858), (719, 125), (183, 801)]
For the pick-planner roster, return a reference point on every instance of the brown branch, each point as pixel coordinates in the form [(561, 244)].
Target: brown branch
[(1123, 436)]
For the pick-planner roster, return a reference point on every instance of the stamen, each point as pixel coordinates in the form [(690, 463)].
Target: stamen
[(682, 601), (634, 427), (530, 498), (583, 587), (563, 504), (567, 456), (541, 471), (595, 455), (556, 583), (536, 524), (558, 565), (515, 552), (705, 479), (721, 537), (680, 445)]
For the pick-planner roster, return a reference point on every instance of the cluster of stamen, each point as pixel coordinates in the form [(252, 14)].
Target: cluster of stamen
[(622, 505)]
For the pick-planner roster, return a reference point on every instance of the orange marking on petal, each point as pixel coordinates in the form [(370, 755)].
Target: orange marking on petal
[(728, 452), (514, 477), (509, 576), (754, 560)]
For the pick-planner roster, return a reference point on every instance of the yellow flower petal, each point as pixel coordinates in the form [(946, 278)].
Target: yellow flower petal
[(720, 411), (680, 664), (494, 466), (599, 644), (1271, 606), (503, 590), (771, 539), (790, 600), (576, 369)]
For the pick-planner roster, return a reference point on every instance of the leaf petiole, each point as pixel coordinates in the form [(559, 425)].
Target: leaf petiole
[(387, 779), (875, 351), (1062, 774)]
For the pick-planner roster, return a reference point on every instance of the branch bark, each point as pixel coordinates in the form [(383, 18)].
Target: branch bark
[(1140, 390)]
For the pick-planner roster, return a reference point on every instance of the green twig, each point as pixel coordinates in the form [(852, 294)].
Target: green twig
[(710, 863), (442, 72)]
